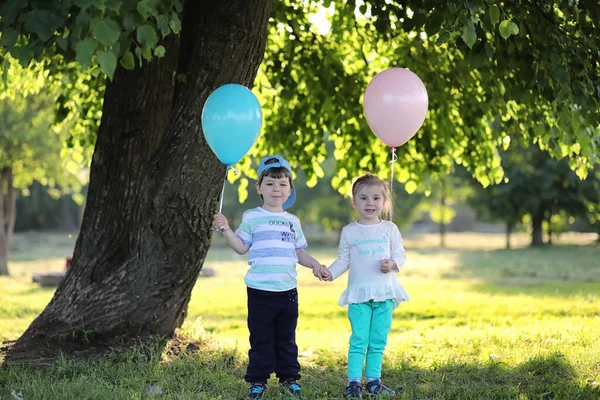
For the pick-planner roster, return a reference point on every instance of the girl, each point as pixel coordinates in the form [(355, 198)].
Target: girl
[(372, 250)]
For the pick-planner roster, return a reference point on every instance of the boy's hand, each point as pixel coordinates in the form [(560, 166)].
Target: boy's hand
[(387, 266), (220, 223), (321, 272)]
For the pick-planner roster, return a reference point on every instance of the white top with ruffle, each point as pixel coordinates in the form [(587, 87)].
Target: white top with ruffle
[(360, 250)]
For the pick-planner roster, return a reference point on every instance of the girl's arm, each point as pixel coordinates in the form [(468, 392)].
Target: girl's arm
[(342, 263), (398, 255)]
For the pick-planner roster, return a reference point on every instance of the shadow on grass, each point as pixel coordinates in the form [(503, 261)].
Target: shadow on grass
[(203, 370)]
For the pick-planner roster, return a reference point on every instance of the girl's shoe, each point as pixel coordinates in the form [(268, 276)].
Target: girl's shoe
[(257, 391), (377, 388), (353, 390)]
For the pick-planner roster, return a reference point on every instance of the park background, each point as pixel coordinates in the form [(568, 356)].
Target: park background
[(484, 321), (496, 195)]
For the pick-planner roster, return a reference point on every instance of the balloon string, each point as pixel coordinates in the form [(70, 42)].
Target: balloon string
[(223, 191), (393, 162)]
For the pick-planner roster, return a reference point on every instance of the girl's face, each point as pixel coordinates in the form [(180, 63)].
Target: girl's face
[(369, 201), (275, 191)]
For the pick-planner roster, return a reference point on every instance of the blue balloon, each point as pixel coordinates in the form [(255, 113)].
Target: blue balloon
[(231, 121)]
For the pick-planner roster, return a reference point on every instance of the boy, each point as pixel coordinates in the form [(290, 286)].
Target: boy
[(275, 242)]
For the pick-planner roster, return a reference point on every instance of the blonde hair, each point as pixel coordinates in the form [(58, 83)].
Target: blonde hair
[(369, 179)]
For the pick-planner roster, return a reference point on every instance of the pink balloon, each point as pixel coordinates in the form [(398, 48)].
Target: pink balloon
[(395, 105)]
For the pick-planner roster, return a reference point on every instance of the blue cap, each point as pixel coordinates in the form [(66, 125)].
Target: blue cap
[(281, 162)]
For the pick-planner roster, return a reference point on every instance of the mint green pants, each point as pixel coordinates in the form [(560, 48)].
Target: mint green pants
[(371, 323)]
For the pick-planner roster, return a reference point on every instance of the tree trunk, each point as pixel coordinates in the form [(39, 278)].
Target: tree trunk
[(509, 228), (70, 212), (536, 224), (443, 216), (8, 216), (154, 185)]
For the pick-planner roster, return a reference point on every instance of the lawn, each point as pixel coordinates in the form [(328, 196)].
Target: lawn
[(483, 323)]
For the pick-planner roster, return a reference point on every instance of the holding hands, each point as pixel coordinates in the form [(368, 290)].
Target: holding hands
[(387, 266), (321, 272)]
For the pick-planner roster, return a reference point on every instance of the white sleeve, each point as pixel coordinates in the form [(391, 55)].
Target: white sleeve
[(397, 250), (342, 263)]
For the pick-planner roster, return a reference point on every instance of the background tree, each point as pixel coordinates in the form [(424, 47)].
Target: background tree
[(31, 148), (537, 187), (154, 183)]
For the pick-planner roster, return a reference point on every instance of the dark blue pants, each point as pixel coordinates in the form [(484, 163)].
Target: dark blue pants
[(272, 320)]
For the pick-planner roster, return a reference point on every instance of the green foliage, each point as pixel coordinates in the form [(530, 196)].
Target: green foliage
[(535, 184), (508, 68), (39, 210), (529, 70), (30, 144), (99, 31)]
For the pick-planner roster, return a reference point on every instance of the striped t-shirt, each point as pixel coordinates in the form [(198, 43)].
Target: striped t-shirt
[(273, 240)]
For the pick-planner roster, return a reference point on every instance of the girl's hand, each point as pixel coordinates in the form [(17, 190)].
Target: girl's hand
[(387, 266), (220, 223), (321, 272)]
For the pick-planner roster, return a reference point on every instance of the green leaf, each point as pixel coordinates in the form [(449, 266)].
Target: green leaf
[(175, 23), (147, 8), (63, 43), (410, 187), (83, 4), (442, 214), (22, 53), (42, 22), (114, 5), (507, 28), (443, 37), (127, 60), (108, 63), (177, 5), (106, 31), (563, 94), (159, 51), (129, 21), (99, 4), (469, 36), (146, 35), (11, 9), (494, 14), (84, 50), (163, 25), (9, 38)]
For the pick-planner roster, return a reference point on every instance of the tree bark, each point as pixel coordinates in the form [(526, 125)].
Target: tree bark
[(154, 185), (536, 224), (509, 228), (8, 214), (443, 216)]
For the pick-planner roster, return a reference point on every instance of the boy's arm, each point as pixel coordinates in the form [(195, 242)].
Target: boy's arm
[(307, 260), (221, 223), (235, 242)]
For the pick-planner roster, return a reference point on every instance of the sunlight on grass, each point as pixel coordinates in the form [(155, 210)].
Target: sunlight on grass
[(519, 323)]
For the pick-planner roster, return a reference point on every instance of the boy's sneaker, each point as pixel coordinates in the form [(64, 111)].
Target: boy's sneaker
[(290, 387), (379, 389), (257, 390), (353, 390)]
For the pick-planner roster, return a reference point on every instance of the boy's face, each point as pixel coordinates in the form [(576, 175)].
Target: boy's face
[(275, 192)]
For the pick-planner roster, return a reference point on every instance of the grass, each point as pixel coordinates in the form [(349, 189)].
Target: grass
[(482, 323)]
